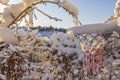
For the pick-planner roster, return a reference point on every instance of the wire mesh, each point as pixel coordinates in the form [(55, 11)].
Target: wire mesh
[(92, 46)]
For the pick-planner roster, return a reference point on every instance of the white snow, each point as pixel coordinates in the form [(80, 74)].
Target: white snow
[(7, 35), (93, 28), (116, 62), (2, 76), (7, 17)]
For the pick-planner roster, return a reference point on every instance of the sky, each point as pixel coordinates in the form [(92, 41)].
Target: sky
[(90, 11)]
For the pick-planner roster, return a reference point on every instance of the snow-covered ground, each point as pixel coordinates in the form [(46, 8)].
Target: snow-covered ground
[(47, 33)]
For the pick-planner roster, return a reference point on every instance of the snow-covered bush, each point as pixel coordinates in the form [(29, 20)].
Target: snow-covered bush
[(111, 68), (58, 56), (11, 62)]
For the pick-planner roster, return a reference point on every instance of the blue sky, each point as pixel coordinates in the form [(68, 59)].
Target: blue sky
[(91, 11)]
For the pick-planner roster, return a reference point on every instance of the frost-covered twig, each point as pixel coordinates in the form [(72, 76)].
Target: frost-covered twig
[(31, 18), (16, 29), (56, 19)]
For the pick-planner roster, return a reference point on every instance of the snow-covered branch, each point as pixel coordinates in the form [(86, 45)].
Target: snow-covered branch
[(16, 12), (69, 7)]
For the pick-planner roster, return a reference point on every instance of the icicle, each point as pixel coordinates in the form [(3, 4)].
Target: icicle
[(16, 29), (27, 24), (75, 21), (31, 18), (35, 15)]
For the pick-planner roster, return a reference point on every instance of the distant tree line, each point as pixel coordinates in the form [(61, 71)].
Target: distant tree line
[(50, 28)]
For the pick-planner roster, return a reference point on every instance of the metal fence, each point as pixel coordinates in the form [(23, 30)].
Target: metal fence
[(93, 48)]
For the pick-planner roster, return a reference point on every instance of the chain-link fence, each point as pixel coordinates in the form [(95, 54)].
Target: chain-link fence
[(92, 46)]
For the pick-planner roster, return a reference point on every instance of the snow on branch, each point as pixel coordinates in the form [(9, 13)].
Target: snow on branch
[(12, 13), (69, 7), (4, 2)]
